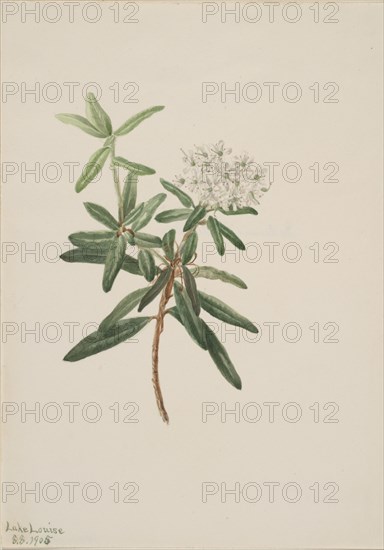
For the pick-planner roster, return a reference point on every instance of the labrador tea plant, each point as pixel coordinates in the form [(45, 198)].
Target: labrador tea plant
[(221, 184)]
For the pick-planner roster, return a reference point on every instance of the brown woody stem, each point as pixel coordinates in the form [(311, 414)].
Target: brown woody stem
[(155, 347), (166, 295)]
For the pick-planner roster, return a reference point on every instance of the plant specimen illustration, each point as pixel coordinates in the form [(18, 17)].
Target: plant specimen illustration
[(213, 184)]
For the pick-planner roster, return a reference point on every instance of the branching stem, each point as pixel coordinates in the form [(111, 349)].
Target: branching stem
[(166, 295)]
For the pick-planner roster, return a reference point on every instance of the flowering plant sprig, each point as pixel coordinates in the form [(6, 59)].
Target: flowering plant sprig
[(222, 184)]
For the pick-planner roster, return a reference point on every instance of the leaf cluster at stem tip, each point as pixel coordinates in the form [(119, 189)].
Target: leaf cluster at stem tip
[(97, 123)]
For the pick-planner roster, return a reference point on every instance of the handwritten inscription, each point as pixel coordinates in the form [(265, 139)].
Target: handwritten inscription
[(31, 535)]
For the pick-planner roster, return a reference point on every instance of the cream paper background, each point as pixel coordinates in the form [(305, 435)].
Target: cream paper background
[(169, 53)]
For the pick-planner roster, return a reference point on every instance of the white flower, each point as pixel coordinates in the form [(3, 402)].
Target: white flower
[(220, 150), (220, 181), (188, 158), (244, 159)]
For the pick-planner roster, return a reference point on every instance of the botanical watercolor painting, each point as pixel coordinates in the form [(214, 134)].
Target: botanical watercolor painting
[(214, 186)]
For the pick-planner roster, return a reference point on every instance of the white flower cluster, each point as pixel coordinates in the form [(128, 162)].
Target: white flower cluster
[(221, 180)]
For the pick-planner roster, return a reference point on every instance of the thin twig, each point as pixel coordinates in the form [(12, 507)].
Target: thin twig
[(117, 184)]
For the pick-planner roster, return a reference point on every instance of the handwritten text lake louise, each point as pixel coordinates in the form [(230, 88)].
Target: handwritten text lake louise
[(16, 527)]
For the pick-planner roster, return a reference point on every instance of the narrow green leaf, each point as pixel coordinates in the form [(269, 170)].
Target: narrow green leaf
[(222, 311), (100, 341), (173, 215), (83, 239), (221, 358), (99, 256), (97, 116), (92, 168), (147, 264), (217, 274), (146, 240), (80, 122), (87, 255), (155, 289), (109, 141), (134, 121), (148, 211), (133, 214), (213, 226), (131, 265), (197, 214), (174, 312), (231, 236), (129, 193), (191, 288), (130, 238), (188, 249), (137, 169), (181, 195), (125, 306), (192, 323), (239, 211), (101, 214), (114, 261), (168, 244)]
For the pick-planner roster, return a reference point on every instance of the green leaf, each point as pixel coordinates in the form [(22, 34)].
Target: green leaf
[(231, 236), (147, 264), (239, 211), (155, 289), (221, 358), (97, 116), (100, 341), (125, 306), (130, 238), (197, 214), (181, 195), (134, 214), (114, 261), (212, 273), (173, 215), (85, 239), (137, 169), (191, 288), (92, 168), (216, 350), (168, 243), (134, 121), (175, 314), (192, 323), (129, 193), (146, 240), (222, 311), (109, 141), (131, 265), (101, 214), (80, 122), (148, 211), (213, 226), (87, 256), (188, 249)]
